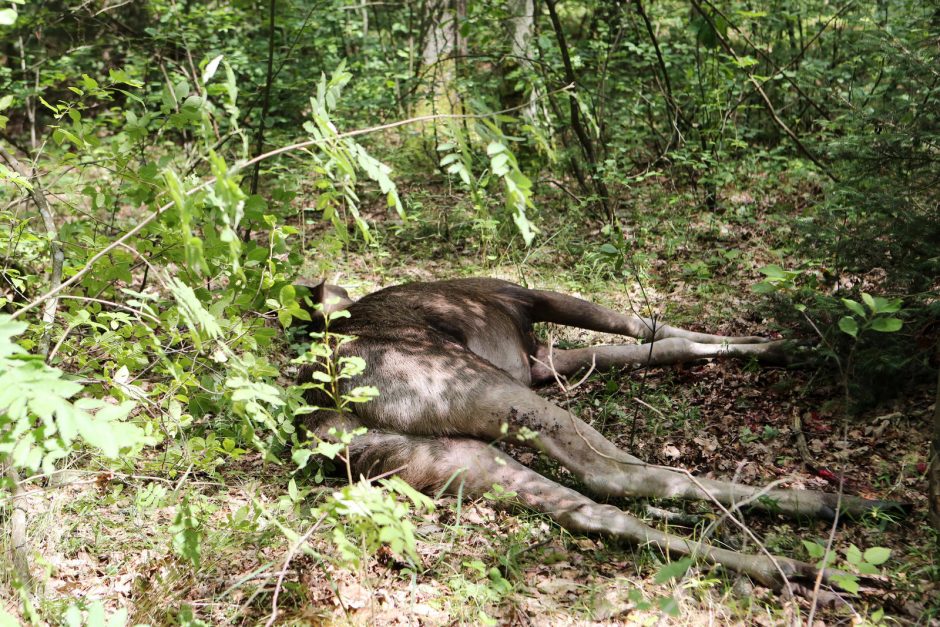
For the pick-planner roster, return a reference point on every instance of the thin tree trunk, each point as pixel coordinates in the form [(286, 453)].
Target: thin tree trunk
[(934, 471), (587, 146), (266, 103), (675, 113), (19, 541)]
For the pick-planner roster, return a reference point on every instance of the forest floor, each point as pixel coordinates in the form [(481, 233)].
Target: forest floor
[(107, 536)]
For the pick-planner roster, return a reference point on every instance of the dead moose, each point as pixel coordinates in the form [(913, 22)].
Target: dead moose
[(455, 361)]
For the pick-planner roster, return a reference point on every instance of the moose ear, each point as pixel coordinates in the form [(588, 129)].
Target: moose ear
[(331, 298)]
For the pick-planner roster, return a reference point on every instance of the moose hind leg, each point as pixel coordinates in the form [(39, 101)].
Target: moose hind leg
[(563, 309), (547, 361), (468, 467), (607, 470)]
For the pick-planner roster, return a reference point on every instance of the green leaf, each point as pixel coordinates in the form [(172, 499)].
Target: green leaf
[(211, 67), (867, 569), (673, 570), (300, 456), (868, 300), (120, 76), (886, 325), (669, 606), (885, 305), (877, 555), (186, 540), (854, 307), (848, 325), (814, 549), (7, 17), (7, 620), (849, 583), (329, 449), (773, 271), (287, 294), (853, 555)]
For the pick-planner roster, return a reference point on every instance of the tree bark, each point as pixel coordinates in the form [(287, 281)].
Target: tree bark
[(266, 102), (934, 470), (19, 541)]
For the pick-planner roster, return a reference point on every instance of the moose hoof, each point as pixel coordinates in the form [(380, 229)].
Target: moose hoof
[(788, 353)]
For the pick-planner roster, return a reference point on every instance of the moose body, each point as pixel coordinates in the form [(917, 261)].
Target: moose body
[(455, 362)]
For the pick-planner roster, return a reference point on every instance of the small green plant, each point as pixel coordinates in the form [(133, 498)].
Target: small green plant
[(186, 533), (366, 517), (484, 587), (91, 615), (855, 563), (457, 158), (776, 279), (327, 372), (40, 424), (877, 315)]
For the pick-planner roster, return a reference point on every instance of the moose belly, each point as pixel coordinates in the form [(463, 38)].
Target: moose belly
[(508, 354)]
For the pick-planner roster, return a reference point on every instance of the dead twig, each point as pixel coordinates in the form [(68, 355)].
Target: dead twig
[(801, 446), (691, 546), (290, 555), (832, 537)]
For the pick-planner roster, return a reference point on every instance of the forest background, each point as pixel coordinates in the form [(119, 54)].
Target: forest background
[(171, 169)]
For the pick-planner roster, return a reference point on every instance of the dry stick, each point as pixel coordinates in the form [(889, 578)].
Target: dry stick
[(58, 257), (760, 90), (829, 542), (934, 469), (801, 446), (240, 166), (280, 577), (147, 263), (111, 303)]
